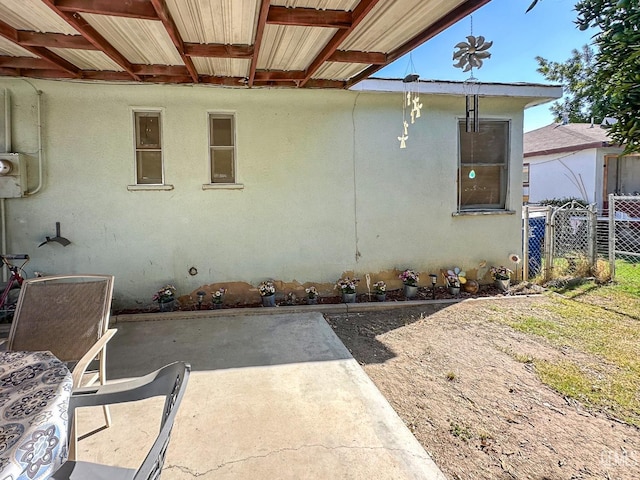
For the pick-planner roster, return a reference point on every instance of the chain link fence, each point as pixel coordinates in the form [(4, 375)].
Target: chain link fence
[(561, 241), (623, 238), (578, 241)]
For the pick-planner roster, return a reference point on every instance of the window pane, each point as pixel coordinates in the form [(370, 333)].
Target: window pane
[(488, 145), (221, 132), (149, 167), (147, 130), (222, 166), (483, 188)]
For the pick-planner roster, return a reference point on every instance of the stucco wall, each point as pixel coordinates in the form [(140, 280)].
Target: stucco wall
[(326, 188)]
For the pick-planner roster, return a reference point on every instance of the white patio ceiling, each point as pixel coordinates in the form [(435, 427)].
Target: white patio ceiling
[(286, 43)]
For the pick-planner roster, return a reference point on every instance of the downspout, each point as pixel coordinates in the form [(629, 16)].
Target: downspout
[(39, 106), (3, 216)]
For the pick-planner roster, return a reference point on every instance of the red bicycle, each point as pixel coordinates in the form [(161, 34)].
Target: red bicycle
[(7, 301)]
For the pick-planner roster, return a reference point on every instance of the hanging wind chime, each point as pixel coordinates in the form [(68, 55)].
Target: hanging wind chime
[(470, 55), (410, 99)]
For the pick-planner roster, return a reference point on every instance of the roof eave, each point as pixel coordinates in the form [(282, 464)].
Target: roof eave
[(570, 148)]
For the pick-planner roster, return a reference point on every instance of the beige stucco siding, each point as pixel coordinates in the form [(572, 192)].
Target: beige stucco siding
[(325, 187)]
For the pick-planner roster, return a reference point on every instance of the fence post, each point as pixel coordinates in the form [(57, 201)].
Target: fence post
[(525, 244), (548, 245), (593, 233), (612, 236)]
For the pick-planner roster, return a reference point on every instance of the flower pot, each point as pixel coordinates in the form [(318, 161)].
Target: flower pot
[(269, 300), (349, 298), (216, 306), (381, 297), (454, 290), (167, 306), (410, 291), (312, 301), (503, 284)]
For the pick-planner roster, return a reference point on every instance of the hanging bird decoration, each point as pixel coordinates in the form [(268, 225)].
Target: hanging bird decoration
[(471, 54)]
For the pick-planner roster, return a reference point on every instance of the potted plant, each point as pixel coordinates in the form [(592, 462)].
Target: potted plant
[(217, 298), (455, 278), (380, 289), (312, 295), (410, 281), (268, 293), (347, 287), (502, 277), (165, 298)]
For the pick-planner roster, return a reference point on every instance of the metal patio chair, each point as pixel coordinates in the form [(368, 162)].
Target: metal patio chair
[(169, 381), (69, 316)]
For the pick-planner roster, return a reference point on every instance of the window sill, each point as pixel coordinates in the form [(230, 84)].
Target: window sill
[(465, 213), (135, 188), (223, 186)]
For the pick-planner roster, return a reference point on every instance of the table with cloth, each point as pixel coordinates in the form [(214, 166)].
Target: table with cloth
[(35, 388)]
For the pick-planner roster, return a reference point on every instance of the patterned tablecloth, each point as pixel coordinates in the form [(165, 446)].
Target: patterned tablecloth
[(35, 388)]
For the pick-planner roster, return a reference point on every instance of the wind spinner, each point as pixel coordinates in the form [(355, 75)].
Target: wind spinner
[(470, 55), (410, 102)]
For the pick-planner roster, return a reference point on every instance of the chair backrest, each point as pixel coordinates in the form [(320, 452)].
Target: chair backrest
[(169, 381), (65, 314)]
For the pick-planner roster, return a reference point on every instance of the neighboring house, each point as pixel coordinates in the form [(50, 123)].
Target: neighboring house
[(152, 132), (576, 160)]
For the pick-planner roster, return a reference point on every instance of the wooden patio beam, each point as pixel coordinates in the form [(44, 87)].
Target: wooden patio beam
[(369, 58), (130, 8), (272, 75), (164, 70), (218, 50), (54, 40), (11, 34), (92, 35), (262, 21), (358, 14), (161, 10), (309, 17), (24, 62), (431, 31)]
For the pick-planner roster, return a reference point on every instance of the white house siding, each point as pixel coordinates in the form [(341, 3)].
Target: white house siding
[(561, 175), (326, 188), (569, 174)]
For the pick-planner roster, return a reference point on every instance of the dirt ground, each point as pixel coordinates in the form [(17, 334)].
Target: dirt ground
[(454, 377)]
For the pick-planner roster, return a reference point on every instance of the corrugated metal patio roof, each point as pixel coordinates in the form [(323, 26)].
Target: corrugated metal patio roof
[(285, 43)]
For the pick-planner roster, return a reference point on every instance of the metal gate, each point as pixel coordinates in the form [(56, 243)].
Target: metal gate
[(572, 249), (624, 236)]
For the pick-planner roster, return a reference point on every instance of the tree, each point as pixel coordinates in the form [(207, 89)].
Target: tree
[(617, 62), (584, 98)]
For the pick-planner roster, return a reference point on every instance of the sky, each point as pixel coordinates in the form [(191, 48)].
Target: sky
[(548, 31)]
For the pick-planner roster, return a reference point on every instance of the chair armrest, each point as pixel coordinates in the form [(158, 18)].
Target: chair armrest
[(151, 385), (83, 363)]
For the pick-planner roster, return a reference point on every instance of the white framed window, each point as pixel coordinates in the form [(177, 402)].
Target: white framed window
[(147, 126), (483, 171), (222, 148)]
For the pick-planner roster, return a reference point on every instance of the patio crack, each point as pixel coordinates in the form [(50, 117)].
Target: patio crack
[(220, 466)]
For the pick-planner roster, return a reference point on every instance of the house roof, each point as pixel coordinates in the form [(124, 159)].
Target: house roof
[(285, 43), (533, 93), (556, 138)]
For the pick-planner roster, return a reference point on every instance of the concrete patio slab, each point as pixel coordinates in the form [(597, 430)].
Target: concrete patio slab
[(270, 396)]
